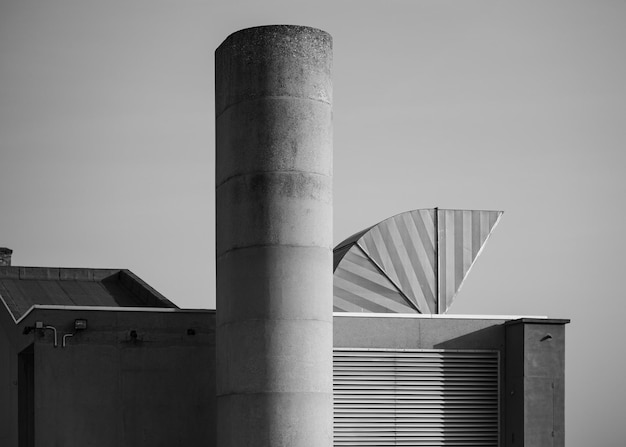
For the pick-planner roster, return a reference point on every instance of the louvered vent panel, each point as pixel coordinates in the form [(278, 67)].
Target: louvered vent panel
[(415, 398)]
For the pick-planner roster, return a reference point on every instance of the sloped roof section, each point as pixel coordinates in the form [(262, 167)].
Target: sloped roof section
[(412, 262), (23, 287)]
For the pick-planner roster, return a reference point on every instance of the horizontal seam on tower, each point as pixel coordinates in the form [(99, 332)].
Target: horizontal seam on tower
[(281, 171), (271, 245), (257, 98), (275, 319)]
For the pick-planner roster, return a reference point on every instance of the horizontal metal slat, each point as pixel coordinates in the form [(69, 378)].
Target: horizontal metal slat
[(417, 398)]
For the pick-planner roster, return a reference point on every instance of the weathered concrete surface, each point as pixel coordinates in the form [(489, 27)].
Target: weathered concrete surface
[(535, 383), (274, 237), (293, 130), (286, 423), (274, 274), (274, 208), (279, 60), (274, 356)]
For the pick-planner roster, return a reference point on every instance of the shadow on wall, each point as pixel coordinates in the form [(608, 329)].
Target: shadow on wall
[(491, 337), (469, 394), (470, 410)]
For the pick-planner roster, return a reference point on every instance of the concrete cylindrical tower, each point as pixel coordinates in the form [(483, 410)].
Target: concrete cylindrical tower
[(274, 237)]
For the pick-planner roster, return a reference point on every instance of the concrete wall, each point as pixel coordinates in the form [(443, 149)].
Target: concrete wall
[(158, 389), (112, 387), (8, 392), (419, 333), (535, 385)]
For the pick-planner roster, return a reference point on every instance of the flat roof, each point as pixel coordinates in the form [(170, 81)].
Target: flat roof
[(436, 316)]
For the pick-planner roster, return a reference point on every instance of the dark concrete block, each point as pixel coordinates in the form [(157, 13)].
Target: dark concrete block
[(538, 411), (513, 416), (535, 368), (544, 350)]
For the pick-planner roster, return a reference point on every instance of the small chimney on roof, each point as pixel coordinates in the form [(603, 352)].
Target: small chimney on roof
[(5, 257)]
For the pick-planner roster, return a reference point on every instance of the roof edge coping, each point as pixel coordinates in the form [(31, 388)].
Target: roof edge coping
[(110, 309), (442, 316)]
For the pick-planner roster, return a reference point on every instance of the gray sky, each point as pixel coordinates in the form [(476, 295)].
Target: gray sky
[(107, 148)]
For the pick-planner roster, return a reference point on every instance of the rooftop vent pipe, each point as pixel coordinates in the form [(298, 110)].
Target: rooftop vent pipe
[(273, 103)]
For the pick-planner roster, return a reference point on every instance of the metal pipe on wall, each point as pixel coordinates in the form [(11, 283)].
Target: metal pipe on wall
[(274, 237)]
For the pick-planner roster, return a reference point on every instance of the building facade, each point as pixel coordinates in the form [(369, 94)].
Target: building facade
[(96, 357), (80, 373)]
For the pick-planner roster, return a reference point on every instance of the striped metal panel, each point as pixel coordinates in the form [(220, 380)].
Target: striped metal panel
[(415, 397), (360, 286), (423, 255), (403, 246), (462, 235)]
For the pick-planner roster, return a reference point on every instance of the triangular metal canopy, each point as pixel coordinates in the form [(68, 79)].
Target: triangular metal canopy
[(414, 262)]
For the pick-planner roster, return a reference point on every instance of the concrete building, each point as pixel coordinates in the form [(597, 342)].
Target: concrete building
[(93, 357), (448, 380), (403, 373), (407, 374), (96, 357), (131, 369)]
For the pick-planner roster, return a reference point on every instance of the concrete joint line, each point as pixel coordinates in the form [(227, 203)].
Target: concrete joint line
[(258, 98), (271, 245), (275, 319), (287, 171)]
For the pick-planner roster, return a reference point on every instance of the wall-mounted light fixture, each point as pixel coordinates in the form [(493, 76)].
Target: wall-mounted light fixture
[(79, 325)]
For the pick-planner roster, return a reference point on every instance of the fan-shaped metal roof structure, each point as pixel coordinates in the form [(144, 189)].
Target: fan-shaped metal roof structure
[(414, 262)]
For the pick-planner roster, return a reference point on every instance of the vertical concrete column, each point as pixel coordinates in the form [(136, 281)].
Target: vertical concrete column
[(274, 237), (534, 398)]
